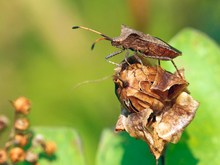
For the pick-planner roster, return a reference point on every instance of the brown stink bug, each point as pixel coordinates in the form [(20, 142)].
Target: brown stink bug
[(145, 44)]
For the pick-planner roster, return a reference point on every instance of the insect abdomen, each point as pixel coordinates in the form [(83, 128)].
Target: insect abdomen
[(160, 52)]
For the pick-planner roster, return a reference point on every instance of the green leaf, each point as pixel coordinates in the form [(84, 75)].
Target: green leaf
[(201, 58), (121, 149), (200, 142), (69, 149)]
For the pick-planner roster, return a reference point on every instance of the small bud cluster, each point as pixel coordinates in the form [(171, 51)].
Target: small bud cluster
[(21, 144)]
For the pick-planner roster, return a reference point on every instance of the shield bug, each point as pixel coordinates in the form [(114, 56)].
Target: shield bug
[(144, 44)]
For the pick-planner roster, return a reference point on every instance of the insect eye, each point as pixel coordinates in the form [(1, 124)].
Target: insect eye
[(116, 44)]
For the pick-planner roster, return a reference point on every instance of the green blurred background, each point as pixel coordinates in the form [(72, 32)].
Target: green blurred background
[(42, 58)]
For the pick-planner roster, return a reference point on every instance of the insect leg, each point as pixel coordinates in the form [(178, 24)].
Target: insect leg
[(112, 55), (126, 57), (138, 59), (176, 68)]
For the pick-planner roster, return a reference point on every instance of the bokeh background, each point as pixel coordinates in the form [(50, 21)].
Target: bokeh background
[(42, 58)]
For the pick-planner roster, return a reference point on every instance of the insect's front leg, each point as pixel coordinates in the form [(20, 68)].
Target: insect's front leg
[(112, 55), (127, 56)]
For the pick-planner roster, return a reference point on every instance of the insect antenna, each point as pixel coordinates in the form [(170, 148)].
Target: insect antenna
[(104, 37), (99, 39)]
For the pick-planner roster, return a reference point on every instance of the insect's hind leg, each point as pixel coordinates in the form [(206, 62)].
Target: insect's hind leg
[(176, 68), (112, 55), (138, 58)]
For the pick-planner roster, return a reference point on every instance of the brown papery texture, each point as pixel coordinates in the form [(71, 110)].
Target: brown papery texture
[(156, 106)]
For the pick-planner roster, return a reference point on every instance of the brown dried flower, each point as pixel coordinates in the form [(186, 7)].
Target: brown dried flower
[(155, 104), (139, 87), (17, 154), (22, 105)]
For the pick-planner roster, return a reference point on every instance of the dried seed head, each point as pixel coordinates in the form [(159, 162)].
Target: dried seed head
[(17, 154), (22, 105), (3, 156), (21, 140), (139, 87), (22, 124), (49, 148), (155, 105)]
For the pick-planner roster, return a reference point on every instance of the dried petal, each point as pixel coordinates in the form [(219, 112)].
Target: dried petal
[(136, 124), (167, 127), (177, 118), (168, 85)]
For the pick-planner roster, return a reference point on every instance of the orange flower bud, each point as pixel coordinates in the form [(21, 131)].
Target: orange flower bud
[(49, 148), (22, 124), (22, 105), (3, 156), (21, 140), (17, 154)]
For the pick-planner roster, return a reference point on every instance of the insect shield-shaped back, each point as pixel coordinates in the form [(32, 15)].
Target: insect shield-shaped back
[(146, 44)]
